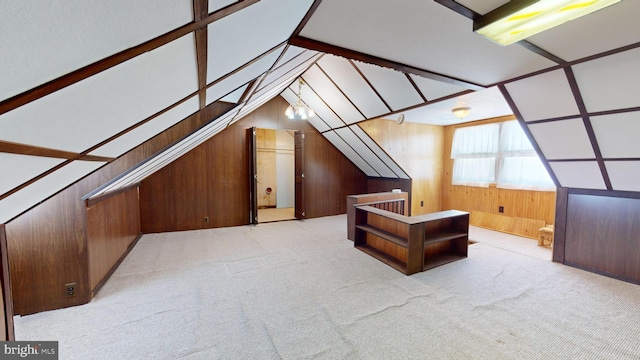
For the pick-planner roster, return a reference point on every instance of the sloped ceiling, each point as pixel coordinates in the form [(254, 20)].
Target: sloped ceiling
[(83, 82)]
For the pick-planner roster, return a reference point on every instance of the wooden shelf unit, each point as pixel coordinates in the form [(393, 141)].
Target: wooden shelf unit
[(411, 244)]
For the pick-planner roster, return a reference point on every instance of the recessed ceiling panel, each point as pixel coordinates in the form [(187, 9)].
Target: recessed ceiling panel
[(321, 85), (618, 134), (423, 34), (566, 139), (365, 152), (579, 174), (611, 82), (433, 90), (45, 40), (379, 151), (242, 77), (603, 30), (624, 175), (22, 168), (35, 193), (350, 153), (145, 132), (393, 86), (318, 106), (544, 96), (237, 39), (82, 115), (353, 85)]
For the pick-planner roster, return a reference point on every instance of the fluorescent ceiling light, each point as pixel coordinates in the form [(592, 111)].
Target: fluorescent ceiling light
[(519, 19)]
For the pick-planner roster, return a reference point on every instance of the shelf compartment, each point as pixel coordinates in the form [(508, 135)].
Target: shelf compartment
[(384, 257), (441, 259), (398, 240), (443, 236)]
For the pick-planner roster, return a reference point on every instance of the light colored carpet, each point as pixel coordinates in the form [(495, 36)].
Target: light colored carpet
[(509, 242), (299, 290)]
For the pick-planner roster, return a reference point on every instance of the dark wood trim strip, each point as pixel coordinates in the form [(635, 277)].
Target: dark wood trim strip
[(246, 91), (89, 202), (23, 149), (5, 282), (587, 124), (306, 17), (527, 131), (340, 90), (262, 86), (356, 55), (99, 286), (116, 59), (200, 11), (369, 83), (542, 52), (608, 193), (571, 160), (560, 118), (560, 226), (415, 86), (288, 73), (374, 153), (325, 103), (460, 9)]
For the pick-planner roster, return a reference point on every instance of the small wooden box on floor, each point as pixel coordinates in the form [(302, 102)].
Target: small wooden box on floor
[(546, 236), (412, 244)]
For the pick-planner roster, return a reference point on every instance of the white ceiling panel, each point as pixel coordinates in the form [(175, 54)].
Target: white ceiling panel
[(320, 84), (315, 121), (297, 66), (433, 90), (624, 175), (22, 169), (579, 174), (350, 153), (621, 29), (215, 5), (420, 33), (484, 104), (33, 194), (235, 96), (236, 40), (365, 152), (318, 106), (81, 115), (611, 82), (242, 77), (145, 132), (617, 134), (379, 151), (85, 31), (393, 86), (566, 139), (293, 52), (535, 101), (353, 85)]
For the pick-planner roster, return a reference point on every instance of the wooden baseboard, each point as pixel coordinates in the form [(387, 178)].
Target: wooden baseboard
[(511, 225)]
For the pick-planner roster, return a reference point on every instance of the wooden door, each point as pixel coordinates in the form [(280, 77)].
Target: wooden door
[(253, 173), (300, 212), (6, 303)]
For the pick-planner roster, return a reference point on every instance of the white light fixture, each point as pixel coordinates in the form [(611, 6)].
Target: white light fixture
[(519, 19), (461, 112), (299, 110)]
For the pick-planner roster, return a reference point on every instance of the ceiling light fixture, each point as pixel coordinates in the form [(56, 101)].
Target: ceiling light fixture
[(461, 112), (519, 19), (299, 110)]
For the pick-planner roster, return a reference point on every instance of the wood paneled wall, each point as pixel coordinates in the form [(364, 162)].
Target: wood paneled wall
[(417, 148), (7, 332), (47, 244), (602, 233), (113, 226), (209, 182), (538, 205)]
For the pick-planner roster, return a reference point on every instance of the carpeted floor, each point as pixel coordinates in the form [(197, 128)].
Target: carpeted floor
[(299, 290)]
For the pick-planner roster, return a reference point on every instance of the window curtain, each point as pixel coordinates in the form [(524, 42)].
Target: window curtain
[(474, 152)]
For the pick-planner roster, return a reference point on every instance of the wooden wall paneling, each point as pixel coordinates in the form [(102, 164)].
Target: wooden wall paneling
[(47, 244), (418, 149), (602, 235), (113, 225), (7, 332)]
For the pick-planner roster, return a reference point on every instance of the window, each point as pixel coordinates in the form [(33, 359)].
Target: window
[(498, 153)]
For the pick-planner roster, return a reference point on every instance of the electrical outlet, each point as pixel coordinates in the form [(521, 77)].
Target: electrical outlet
[(421, 203), (206, 219), (70, 289), (500, 209)]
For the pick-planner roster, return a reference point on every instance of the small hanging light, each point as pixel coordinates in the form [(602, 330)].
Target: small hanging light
[(299, 110)]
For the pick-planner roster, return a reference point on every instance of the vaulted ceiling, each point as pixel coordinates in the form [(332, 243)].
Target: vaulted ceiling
[(83, 82)]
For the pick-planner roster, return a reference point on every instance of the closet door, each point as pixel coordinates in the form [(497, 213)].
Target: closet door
[(253, 173), (299, 174)]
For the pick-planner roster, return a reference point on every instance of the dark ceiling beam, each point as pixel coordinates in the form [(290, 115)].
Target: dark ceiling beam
[(116, 59), (356, 55), (353, 64), (306, 18), (23, 149), (200, 11)]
